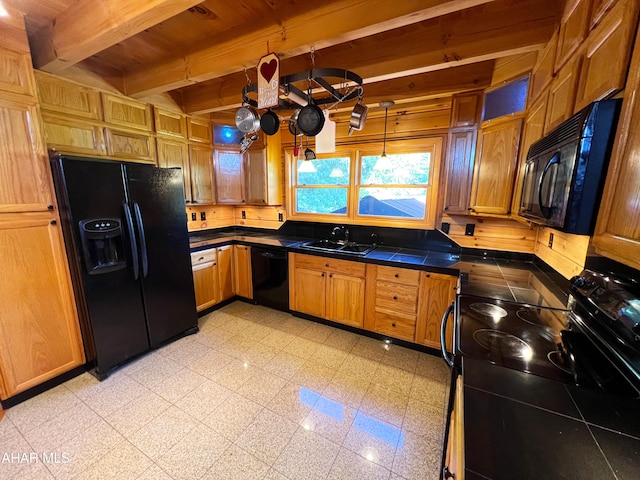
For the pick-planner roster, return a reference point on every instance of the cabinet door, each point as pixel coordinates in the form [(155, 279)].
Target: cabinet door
[(25, 177), (170, 123), (70, 135), (39, 331), (607, 54), (256, 168), (562, 94), (229, 176), (462, 150), (308, 292), (15, 72), (494, 171), (598, 9), (242, 279), (542, 72), (454, 458), (617, 232), (225, 271), (436, 294), (201, 168), (199, 130), (573, 29), (130, 145), (126, 112), (67, 98), (173, 153), (345, 299), (205, 280), (466, 109)]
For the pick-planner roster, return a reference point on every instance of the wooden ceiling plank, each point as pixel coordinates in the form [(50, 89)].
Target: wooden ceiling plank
[(89, 26), (325, 26)]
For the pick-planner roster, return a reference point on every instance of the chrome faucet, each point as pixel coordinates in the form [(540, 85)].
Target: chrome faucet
[(342, 231)]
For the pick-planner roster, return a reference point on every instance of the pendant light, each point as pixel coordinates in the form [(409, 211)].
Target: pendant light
[(383, 162), (307, 166)]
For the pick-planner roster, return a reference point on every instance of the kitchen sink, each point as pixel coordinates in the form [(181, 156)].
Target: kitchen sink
[(340, 247)]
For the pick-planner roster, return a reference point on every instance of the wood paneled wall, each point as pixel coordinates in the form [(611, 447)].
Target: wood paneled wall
[(492, 233), (566, 253), (218, 216)]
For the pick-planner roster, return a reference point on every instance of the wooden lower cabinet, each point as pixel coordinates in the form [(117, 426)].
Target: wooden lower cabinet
[(225, 271), (454, 458), (437, 291), (327, 288), (39, 331), (205, 278), (242, 278)]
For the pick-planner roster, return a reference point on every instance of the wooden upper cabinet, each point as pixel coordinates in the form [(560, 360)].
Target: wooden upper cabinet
[(617, 233), (25, 176), (66, 134), (126, 112), (173, 153), (130, 145), (263, 167), (607, 53), (598, 10), (573, 30), (69, 98), (201, 168), (38, 324), (199, 130), (170, 123), (466, 109), (495, 167), (460, 156), (543, 72), (562, 94), (229, 176), (15, 72)]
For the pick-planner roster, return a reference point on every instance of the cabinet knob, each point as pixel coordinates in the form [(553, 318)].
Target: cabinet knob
[(331, 275), (395, 298), (393, 324), (53, 222), (396, 275), (49, 207), (447, 207), (323, 274), (428, 275), (471, 209), (326, 264)]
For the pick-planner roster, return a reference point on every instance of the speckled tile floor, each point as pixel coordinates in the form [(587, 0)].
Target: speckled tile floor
[(256, 394)]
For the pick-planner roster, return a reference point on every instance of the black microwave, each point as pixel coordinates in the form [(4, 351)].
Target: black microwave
[(565, 170)]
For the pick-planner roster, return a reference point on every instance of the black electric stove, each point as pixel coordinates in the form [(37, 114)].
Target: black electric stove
[(574, 346)]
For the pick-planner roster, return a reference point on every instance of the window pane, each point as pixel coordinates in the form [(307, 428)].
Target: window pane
[(407, 169), (321, 200), (392, 202), (329, 171)]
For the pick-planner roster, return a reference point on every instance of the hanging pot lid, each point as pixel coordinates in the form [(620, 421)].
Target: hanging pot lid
[(270, 122), (247, 119), (310, 120)]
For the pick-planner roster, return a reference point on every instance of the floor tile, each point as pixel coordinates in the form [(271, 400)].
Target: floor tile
[(237, 464), (275, 475), (214, 337), (360, 367), (385, 404), (262, 388), (317, 332), (302, 347), (418, 458), (314, 376), (37, 410), (293, 402), (201, 446), (124, 461), (186, 352), (401, 357), (233, 416), (267, 436), (369, 348), (342, 340), (176, 386), (203, 400), (234, 374), (347, 389), (154, 472), (156, 372), (329, 356), (277, 339), (210, 363), (118, 395), (259, 355), (349, 465), (329, 419), (137, 413), (428, 390), (236, 345), (393, 378), (162, 433), (432, 367), (308, 456), (423, 419), (284, 365), (373, 439)]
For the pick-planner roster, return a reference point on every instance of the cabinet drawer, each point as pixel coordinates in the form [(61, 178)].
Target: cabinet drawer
[(399, 275), (403, 298), (203, 256), (395, 325), (330, 265)]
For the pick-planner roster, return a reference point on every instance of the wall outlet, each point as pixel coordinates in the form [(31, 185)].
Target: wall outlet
[(550, 244), (469, 229), (445, 227), (280, 217), (244, 214), (194, 217), (203, 216)]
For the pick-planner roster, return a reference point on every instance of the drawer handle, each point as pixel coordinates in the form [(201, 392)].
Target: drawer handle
[(428, 275), (331, 275), (201, 258), (393, 324), (395, 298), (396, 275), (326, 264)]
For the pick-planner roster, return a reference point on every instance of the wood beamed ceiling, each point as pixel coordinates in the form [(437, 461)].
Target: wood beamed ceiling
[(198, 52)]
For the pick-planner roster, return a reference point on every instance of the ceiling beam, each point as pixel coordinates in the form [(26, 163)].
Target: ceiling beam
[(89, 26), (499, 29), (327, 25), (220, 94)]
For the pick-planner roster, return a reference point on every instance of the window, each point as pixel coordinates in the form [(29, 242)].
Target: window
[(354, 185)]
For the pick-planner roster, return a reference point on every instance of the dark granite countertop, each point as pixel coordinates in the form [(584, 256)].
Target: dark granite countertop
[(502, 279), (518, 425)]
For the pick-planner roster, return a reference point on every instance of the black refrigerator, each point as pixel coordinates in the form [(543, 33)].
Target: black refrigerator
[(125, 230)]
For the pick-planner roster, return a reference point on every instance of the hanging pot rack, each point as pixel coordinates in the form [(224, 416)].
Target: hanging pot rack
[(325, 95)]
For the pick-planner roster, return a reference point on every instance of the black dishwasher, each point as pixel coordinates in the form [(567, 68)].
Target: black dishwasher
[(270, 278)]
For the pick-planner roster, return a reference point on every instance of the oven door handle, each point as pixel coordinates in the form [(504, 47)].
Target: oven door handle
[(443, 334)]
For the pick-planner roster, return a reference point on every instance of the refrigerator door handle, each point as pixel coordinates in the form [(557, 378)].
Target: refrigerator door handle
[(132, 241), (143, 240)]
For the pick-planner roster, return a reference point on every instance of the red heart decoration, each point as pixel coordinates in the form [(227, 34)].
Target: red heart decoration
[(268, 69)]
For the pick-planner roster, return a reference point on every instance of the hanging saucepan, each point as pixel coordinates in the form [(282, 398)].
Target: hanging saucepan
[(293, 124), (247, 119), (270, 122), (310, 120), (358, 117)]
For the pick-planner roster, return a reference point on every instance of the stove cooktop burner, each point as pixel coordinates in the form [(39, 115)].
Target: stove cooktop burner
[(558, 361), (505, 344), (488, 309), (531, 316)]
